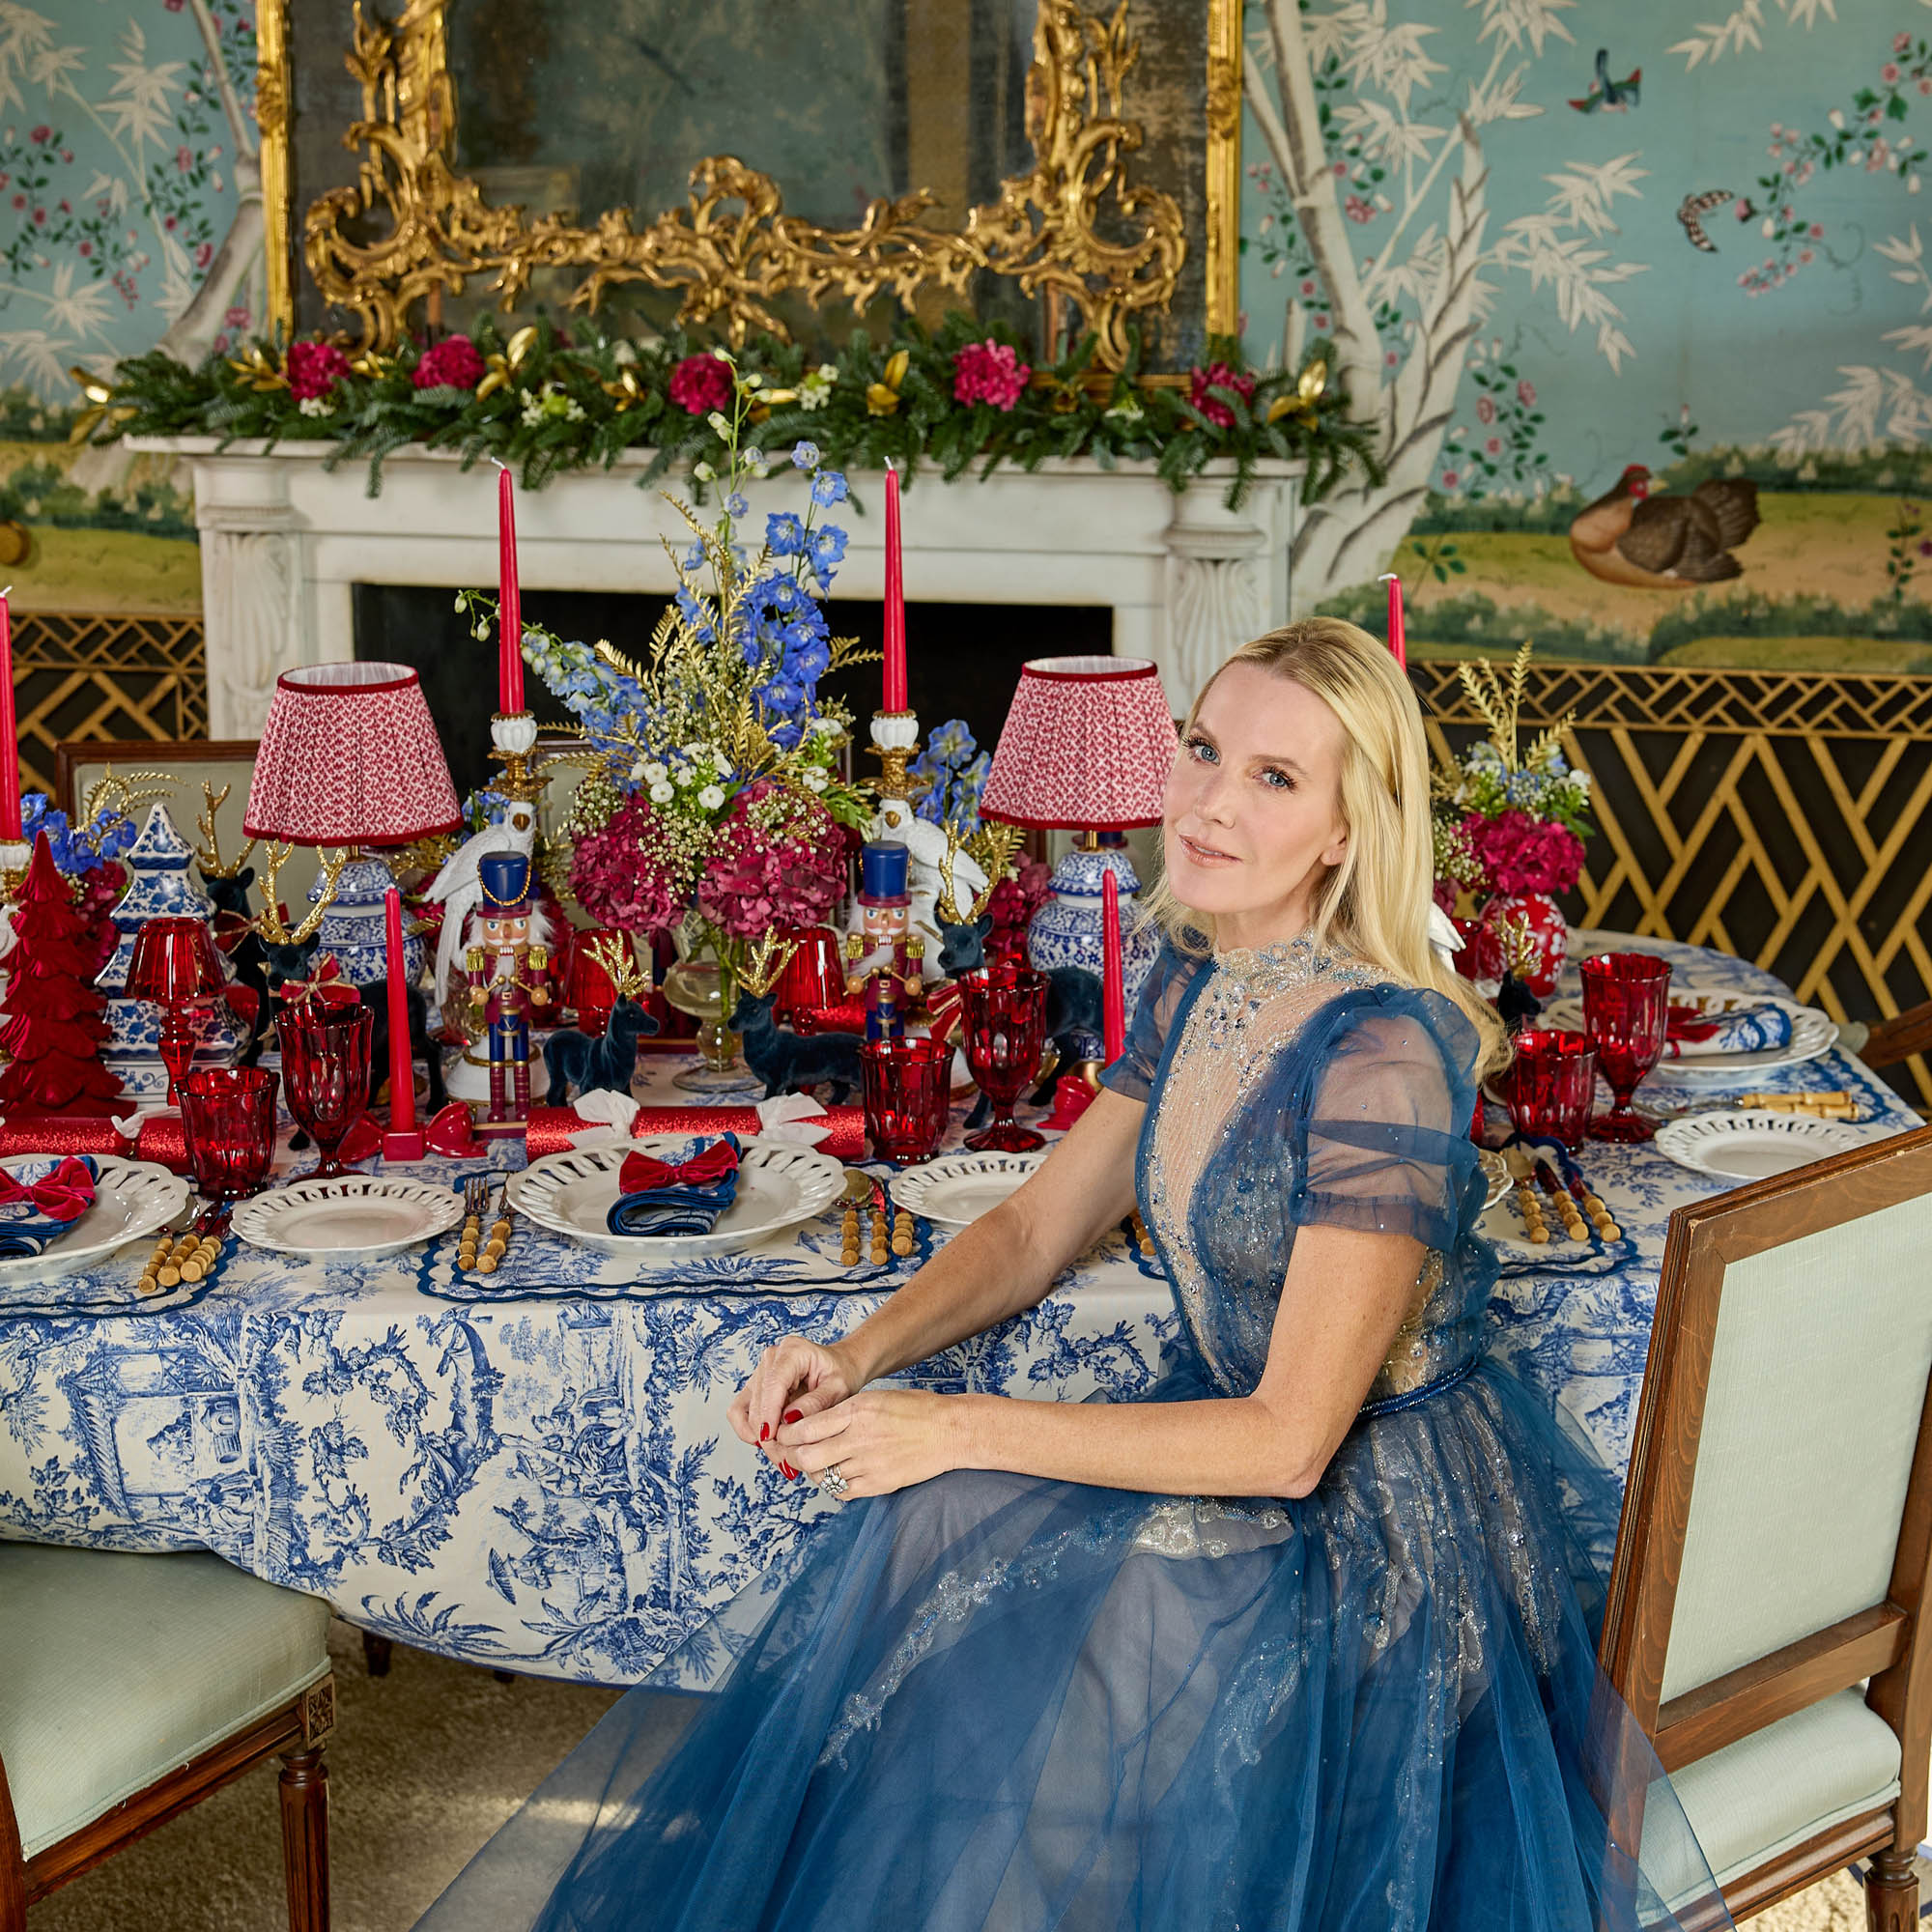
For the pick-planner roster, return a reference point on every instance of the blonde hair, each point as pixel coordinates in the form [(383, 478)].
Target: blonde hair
[(1375, 903)]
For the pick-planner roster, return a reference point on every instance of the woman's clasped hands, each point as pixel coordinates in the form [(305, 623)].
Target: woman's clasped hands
[(807, 1411)]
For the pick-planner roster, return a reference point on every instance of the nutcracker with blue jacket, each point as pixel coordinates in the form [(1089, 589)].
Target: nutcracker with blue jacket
[(507, 970), (885, 964)]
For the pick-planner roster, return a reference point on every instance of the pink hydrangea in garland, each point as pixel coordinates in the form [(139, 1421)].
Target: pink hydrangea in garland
[(700, 384), (1219, 376), (314, 369), (989, 372), (453, 363)]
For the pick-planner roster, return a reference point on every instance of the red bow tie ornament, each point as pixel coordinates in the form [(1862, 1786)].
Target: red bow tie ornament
[(645, 1174), (63, 1194)]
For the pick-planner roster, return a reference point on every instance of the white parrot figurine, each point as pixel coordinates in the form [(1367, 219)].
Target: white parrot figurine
[(927, 842)]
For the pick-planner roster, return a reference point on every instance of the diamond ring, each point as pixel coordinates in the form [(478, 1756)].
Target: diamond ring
[(833, 1484)]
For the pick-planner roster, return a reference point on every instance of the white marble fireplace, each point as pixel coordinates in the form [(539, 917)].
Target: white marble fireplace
[(284, 540)]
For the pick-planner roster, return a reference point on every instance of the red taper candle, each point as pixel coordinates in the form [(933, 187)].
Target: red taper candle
[(10, 734), (1112, 973), (895, 666), (405, 1140), (1398, 642), (509, 599)]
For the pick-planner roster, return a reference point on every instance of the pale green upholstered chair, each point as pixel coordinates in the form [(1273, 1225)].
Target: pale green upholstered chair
[(1765, 1613), (130, 1688)]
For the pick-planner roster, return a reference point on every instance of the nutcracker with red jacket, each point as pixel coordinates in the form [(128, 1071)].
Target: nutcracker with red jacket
[(885, 964), (506, 967)]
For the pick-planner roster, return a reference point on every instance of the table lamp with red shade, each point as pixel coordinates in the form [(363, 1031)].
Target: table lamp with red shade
[(1086, 747), (175, 965)]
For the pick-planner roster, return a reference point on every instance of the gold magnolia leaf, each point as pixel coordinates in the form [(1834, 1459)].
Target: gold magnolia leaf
[(521, 344), (90, 386)]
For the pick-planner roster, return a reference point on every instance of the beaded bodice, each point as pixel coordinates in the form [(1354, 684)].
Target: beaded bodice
[(1219, 1159)]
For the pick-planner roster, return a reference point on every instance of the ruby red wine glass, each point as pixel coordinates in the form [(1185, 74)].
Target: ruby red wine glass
[(1553, 1084), (325, 1075), (228, 1121), (1002, 1028), (907, 1085), (1626, 1007)]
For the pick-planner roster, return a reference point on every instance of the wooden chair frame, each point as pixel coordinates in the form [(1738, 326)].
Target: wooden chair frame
[(1896, 1039), (1886, 1644), (297, 1733)]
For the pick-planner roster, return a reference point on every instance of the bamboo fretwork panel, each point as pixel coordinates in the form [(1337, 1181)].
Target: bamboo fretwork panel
[(1786, 818), (83, 675)]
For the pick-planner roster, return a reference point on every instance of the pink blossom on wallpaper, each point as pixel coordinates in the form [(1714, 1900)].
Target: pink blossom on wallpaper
[(314, 369), (1486, 409), (453, 363), (700, 384), (1219, 376), (1521, 854), (989, 372), (1525, 393)]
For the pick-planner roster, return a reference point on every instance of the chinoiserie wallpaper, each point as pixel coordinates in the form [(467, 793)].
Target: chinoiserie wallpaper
[(1635, 289)]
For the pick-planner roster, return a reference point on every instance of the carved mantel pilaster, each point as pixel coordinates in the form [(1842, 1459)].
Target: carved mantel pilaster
[(1227, 580), (251, 574)]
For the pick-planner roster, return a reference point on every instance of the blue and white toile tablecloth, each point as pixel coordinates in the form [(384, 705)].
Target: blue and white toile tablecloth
[(541, 1476)]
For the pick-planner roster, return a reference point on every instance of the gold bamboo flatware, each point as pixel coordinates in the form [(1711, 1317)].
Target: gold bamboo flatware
[(1520, 1166), (1550, 1178), (498, 1244), (1834, 1104), (475, 1197), (1601, 1217), (191, 1258)]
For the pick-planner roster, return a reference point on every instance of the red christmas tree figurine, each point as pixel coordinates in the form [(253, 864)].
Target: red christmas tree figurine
[(55, 1026)]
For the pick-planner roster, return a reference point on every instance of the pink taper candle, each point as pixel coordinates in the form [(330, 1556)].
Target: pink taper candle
[(895, 664), (509, 600), (9, 736), (404, 1141), (1398, 642), (1112, 973)]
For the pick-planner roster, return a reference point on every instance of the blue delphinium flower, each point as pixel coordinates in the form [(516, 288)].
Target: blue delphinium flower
[(804, 455), (828, 487), (828, 548), (736, 506), (785, 534)]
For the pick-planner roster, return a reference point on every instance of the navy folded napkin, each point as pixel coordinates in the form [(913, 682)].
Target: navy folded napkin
[(40, 1200), (659, 1197)]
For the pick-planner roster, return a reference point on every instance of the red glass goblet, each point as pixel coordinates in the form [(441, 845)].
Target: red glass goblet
[(1626, 1005), (174, 964), (1552, 1083), (1002, 1028), (907, 1085), (326, 1070), (228, 1121)]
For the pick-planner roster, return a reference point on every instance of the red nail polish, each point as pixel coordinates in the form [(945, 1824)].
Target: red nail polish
[(794, 1415), (790, 1473), (765, 1433)]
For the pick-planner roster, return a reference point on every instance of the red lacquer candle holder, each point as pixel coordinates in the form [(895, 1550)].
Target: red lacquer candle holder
[(228, 1121), (907, 1091), (1626, 1007), (591, 993), (1003, 1028), (814, 974), (175, 965), (1553, 1084), (326, 1070)]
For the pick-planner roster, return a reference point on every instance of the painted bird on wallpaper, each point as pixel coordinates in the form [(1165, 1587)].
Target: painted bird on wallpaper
[(1664, 543), (1693, 208), (1607, 95)]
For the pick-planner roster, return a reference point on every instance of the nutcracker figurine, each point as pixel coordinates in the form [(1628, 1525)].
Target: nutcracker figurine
[(884, 964), (508, 978)]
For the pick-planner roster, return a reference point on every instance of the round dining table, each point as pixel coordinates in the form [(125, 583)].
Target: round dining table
[(533, 1470)]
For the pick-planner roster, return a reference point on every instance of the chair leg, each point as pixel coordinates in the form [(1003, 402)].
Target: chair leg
[(1892, 1893), (376, 1654), (304, 1787)]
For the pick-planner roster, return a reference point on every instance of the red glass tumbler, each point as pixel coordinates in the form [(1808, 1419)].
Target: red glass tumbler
[(1002, 1028), (228, 1121), (907, 1085), (590, 994), (814, 975), (326, 1070), (1552, 1083), (1626, 1005)]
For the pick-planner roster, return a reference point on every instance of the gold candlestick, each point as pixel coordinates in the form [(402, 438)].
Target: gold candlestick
[(513, 738), (896, 744)]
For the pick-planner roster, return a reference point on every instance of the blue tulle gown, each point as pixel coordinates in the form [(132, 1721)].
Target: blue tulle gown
[(998, 1701)]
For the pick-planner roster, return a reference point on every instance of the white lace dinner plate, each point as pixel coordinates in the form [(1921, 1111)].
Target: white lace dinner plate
[(958, 1188), (132, 1197), (1749, 1146), (358, 1214), (1812, 1033), (1496, 1175), (779, 1186)]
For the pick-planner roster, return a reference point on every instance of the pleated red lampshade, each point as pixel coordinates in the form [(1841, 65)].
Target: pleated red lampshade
[(1086, 747), (350, 756)]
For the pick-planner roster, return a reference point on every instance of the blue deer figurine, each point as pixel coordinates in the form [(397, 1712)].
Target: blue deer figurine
[(787, 1061), (583, 1062)]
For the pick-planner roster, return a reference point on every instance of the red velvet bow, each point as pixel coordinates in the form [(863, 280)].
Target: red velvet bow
[(325, 986), (1690, 1023), (645, 1174), (63, 1194)]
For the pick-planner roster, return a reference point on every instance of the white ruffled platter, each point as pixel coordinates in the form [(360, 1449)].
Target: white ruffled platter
[(132, 1197), (1749, 1146), (779, 1186), (1812, 1033), (954, 1190), (353, 1214)]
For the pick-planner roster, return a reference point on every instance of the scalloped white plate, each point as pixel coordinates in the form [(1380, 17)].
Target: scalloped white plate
[(132, 1197), (954, 1190), (361, 1214), (1812, 1033), (779, 1186), (1749, 1146)]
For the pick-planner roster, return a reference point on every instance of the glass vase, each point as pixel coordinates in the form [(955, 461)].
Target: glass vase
[(704, 983)]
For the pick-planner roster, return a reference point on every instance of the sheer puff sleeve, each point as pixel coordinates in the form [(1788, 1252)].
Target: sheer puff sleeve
[(1380, 1133), (1162, 991)]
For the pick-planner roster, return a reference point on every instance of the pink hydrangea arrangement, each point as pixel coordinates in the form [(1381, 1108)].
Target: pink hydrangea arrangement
[(314, 369), (630, 874), (1014, 901), (453, 363), (1521, 854), (778, 860), (989, 372), (1219, 376), (701, 383)]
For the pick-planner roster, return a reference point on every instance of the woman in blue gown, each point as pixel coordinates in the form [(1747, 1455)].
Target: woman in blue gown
[(1304, 1638)]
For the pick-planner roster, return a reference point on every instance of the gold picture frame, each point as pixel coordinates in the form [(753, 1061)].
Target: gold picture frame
[(731, 248)]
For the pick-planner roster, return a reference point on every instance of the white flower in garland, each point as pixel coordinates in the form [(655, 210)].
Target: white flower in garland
[(815, 392), (316, 406)]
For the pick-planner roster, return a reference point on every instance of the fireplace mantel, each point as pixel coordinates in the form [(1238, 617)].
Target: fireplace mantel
[(284, 540)]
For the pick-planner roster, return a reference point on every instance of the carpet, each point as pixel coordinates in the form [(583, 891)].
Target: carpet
[(424, 1765)]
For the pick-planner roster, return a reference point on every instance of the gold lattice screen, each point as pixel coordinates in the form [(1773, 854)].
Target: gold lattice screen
[(1786, 818), (79, 674)]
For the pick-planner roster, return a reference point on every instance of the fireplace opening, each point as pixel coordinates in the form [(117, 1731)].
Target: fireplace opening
[(962, 659)]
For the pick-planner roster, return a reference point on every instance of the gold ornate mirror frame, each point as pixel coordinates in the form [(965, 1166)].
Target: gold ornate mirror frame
[(731, 248)]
